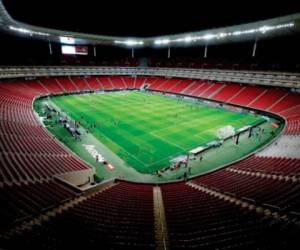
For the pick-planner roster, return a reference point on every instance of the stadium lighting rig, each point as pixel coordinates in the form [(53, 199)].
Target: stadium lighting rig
[(27, 31), (130, 42), (163, 41), (222, 35), (250, 31)]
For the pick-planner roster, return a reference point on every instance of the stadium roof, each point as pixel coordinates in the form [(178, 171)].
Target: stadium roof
[(269, 28)]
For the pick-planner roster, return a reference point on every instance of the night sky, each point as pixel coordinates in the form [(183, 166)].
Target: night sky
[(143, 18)]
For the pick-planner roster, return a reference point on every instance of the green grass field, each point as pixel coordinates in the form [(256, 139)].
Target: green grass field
[(147, 130)]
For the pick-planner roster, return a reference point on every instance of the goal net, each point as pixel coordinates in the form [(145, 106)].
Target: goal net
[(225, 132)]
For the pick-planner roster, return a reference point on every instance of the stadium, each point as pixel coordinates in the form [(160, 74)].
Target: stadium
[(182, 135)]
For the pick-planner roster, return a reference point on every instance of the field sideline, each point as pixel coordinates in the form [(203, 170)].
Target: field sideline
[(146, 130)]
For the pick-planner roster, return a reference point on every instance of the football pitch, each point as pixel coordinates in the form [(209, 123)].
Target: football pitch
[(147, 130)]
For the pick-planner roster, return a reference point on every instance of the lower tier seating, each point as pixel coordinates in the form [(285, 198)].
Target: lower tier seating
[(199, 221), (22, 202), (122, 216), (118, 218), (280, 193)]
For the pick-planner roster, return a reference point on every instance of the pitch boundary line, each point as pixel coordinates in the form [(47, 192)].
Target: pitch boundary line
[(153, 133)]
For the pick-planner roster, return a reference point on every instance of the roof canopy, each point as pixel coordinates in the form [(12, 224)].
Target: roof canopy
[(251, 31)]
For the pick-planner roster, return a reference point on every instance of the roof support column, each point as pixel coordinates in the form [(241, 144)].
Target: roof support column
[(205, 51), (50, 48), (95, 51), (254, 48)]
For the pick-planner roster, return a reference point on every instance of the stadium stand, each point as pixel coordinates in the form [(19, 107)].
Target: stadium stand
[(81, 83), (52, 85), (225, 226), (21, 202), (183, 84), (30, 157), (247, 95), (279, 167), (118, 82), (138, 82), (288, 101), (67, 84), (120, 217), (129, 82), (106, 83), (280, 193), (272, 95), (288, 145)]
